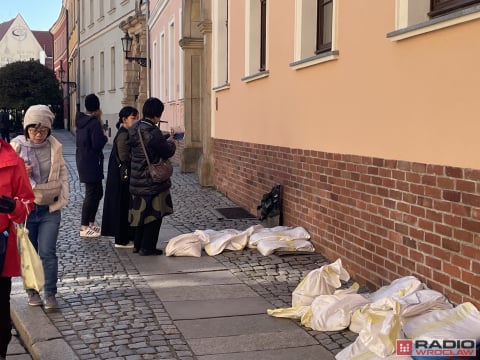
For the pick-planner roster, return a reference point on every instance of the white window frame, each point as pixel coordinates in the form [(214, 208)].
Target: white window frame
[(92, 74), (252, 41), (102, 72), (171, 60), (113, 69), (305, 35), (162, 66), (220, 46), (181, 57), (411, 18)]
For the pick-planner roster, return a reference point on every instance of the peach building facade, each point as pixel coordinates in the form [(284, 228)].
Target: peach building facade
[(368, 119)]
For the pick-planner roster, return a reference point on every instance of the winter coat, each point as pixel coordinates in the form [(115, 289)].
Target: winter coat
[(117, 195), (14, 183), (157, 147), (54, 192), (90, 142)]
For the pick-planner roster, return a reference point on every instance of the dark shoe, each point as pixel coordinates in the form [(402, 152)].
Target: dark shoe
[(135, 250), (145, 252), (50, 302), (34, 298)]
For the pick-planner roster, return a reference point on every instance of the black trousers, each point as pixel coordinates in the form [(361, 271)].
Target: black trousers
[(146, 236), (5, 320), (93, 195)]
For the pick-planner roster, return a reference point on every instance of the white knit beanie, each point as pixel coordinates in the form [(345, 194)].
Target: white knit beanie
[(38, 114)]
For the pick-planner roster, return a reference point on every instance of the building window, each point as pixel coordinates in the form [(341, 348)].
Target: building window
[(112, 4), (84, 78), (181, 55), (440, 7), (91, 13), (91, 86), (220, 36), (324, 26), (416, 17), (171, 61), (255, 37), (315, 32), (102, 71), (162, 67), (82, 15), (101, 10), (112, 68)]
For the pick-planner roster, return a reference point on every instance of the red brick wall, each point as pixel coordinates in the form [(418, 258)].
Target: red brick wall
[(384, 218)]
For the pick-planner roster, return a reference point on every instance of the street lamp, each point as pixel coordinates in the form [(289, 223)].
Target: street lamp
[(127, 47), (61, 72)]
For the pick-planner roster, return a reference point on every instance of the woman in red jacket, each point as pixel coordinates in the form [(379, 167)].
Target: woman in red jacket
[(16, 201)]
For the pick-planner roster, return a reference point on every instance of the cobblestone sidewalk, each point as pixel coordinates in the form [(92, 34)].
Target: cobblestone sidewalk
[(107, 309)]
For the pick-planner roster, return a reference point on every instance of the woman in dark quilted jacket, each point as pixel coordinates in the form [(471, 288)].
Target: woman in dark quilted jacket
[(150, 201)]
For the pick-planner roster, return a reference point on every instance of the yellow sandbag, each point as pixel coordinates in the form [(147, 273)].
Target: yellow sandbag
[(322, 281), (289, 313), (31, 264)]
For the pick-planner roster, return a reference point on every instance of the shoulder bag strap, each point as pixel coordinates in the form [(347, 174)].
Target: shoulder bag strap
[(143, 146)]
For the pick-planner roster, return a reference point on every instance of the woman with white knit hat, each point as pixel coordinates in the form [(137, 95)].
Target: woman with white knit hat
[(48, 176)]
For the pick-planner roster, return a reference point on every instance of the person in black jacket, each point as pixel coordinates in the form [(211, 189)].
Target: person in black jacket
[(150, 201), (90, 138), (117, 195)]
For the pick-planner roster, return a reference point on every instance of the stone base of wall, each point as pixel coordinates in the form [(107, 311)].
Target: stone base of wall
[(384, 218)]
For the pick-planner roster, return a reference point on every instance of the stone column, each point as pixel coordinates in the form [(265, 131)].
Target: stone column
[(205, 166)]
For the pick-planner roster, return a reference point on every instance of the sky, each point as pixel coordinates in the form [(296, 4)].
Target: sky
[(38, 14)]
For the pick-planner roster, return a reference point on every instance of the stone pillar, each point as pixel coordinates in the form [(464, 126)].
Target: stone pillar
[(192, 45), (205, 165)]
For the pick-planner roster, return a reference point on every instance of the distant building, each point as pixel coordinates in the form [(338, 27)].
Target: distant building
[(19, 43)]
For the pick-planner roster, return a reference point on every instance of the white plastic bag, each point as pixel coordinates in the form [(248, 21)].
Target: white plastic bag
[(31, 265), (322, 281)]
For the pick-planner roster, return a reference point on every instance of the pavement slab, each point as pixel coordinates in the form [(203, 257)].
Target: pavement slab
[(314, 352), (251, 342), (213, 308), (233, 325)]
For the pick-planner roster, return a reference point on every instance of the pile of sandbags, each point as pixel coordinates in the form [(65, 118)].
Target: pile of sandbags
[(265, 240), (405, 309)]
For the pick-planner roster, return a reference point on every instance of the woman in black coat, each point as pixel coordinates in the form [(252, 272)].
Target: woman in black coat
[(150, 200), (117, 195)]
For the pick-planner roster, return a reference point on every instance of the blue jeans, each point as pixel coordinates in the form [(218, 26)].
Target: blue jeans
[(43, 229)]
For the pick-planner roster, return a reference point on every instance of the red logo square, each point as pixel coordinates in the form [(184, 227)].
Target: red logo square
[(404, 347)]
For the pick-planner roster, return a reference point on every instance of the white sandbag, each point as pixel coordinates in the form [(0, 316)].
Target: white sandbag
[(358, 351), (186, 244), (332, 312), (399, 288), (422, 301), (268, 246), (278, 233), (461, 322), (228, 239), (322, 281), (289, 313)]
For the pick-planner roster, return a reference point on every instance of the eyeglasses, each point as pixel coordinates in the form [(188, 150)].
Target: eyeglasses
[(35, 131)]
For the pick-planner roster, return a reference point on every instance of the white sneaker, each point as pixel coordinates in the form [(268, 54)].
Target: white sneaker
[(89, 233), (96, 228), (128, 246)]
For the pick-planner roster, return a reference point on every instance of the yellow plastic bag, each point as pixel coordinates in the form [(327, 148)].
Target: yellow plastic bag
[(32, 268)]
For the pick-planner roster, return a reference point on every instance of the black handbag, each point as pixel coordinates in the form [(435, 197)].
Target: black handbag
[(3, 248), (160, 171)]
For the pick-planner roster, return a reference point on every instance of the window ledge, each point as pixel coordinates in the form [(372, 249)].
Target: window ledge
[(111, 91), (314, 60), (221, 87), (441, 22), (111, 11), (256, 76)]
